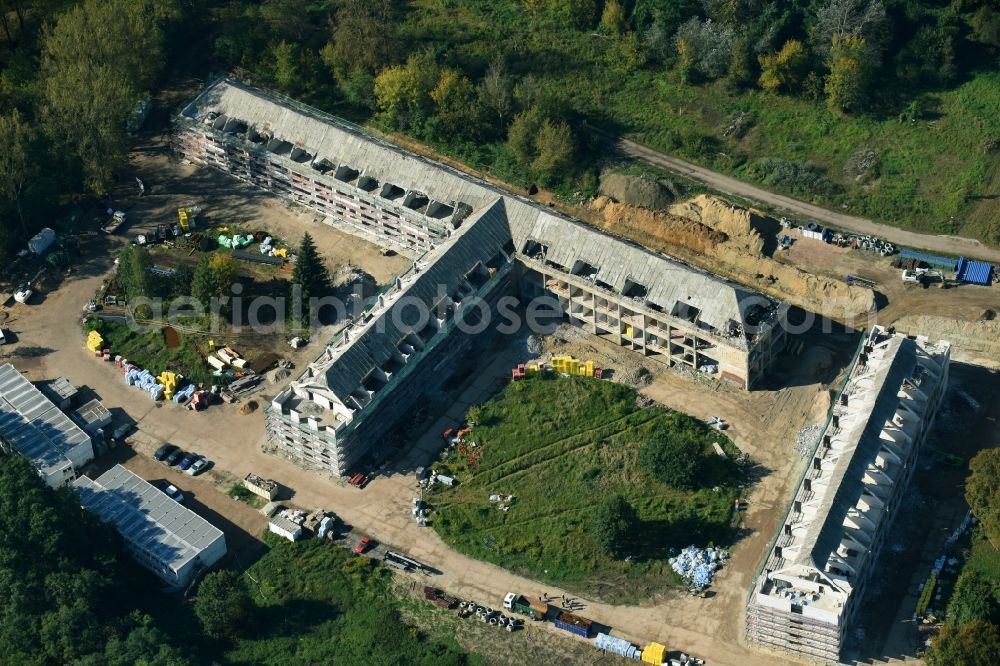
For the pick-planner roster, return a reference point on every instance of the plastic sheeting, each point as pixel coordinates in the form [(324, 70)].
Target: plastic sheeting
[(698, 566)]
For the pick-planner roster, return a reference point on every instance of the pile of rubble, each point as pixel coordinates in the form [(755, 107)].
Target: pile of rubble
[(698, 566), (806, 439)]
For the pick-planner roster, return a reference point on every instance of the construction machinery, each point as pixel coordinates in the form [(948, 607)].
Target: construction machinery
[(536, 610)]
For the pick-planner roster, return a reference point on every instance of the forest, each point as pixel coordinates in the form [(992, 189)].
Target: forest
[(883, 108)]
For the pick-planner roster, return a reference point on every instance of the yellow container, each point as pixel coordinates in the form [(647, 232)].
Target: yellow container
[(588, 369), (95, 342), (654, 653)]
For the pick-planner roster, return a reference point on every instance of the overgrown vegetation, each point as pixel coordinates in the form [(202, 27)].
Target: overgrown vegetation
[(513, 86), (780, 93), (148, 349), (72, 596), (587, 514), (70, 593), (971, 633), (314, 603)]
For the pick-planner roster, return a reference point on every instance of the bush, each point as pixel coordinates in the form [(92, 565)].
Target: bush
[(675, 455), (613, 524), (793, 177), (223, 605)]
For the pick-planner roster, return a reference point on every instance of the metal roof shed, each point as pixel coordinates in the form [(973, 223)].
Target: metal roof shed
[(92, 416), (34, 426), (170, 540), (61, 392), (974, 272)]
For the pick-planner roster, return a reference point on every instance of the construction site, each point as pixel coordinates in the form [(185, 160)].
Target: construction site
[(700, 305)]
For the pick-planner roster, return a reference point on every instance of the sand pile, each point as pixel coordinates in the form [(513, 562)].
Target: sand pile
[(718, 236), (655, 229)]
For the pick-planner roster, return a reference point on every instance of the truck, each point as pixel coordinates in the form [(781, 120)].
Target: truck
[(518, 603), (574, 624)]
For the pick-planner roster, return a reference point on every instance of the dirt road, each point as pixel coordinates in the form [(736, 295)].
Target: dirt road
[(953, 245)]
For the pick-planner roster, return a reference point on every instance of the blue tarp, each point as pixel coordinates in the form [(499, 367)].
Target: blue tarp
[(974, 272), (937, 261)]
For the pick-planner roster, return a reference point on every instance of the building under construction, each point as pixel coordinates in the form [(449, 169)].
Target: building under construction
[(808, 595), (476, 243)]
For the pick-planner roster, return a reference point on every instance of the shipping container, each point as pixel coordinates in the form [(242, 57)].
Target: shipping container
[(573, 624)]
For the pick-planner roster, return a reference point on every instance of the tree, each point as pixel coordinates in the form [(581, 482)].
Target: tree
[(613, 18), (847, 84), (974, 644), (555, 147), (974, 600), (704, 47), (96, 59), (456, 105), (133, 272), (364, 35), (613, 524), (287, 62), (403, 93), (783, 70), (223, 605), (496, 91), (310, 273), (837, 19), (523, 132), (675, 453), (213, 277), (982, 492), (16, 161)]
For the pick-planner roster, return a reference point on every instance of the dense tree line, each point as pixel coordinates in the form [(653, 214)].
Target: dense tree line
[(69, 590), (971, 634), (73, 71)]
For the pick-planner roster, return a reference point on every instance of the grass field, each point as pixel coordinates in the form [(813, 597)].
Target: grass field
[(938, 173), (560, 445)]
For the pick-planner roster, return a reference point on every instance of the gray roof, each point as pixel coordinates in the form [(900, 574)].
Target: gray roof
[(36, 428), (846, 479), (478, 241), (617, 260), (146, 517)]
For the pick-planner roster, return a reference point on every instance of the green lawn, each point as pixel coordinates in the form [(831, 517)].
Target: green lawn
[(560, 445), (320, 604), (935, 174)]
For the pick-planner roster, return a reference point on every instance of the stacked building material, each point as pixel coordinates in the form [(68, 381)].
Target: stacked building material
[(698, 565)]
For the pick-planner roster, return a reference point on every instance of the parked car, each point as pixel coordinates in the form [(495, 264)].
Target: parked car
[(187, 461), (3, 340), (198, 466), (174, 457), (122, 431), (363, 545), (163, 452), (174, 493)]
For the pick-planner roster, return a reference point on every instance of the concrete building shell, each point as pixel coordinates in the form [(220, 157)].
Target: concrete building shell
[(477, 243), (807, 597)]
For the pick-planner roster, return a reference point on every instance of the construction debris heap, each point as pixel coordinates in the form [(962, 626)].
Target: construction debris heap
[(478, 243)]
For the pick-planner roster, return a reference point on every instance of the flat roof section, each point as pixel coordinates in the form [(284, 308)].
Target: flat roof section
[(146, 517), (37, 429)]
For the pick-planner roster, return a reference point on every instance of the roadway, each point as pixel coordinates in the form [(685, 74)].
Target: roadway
[(952, 245)]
